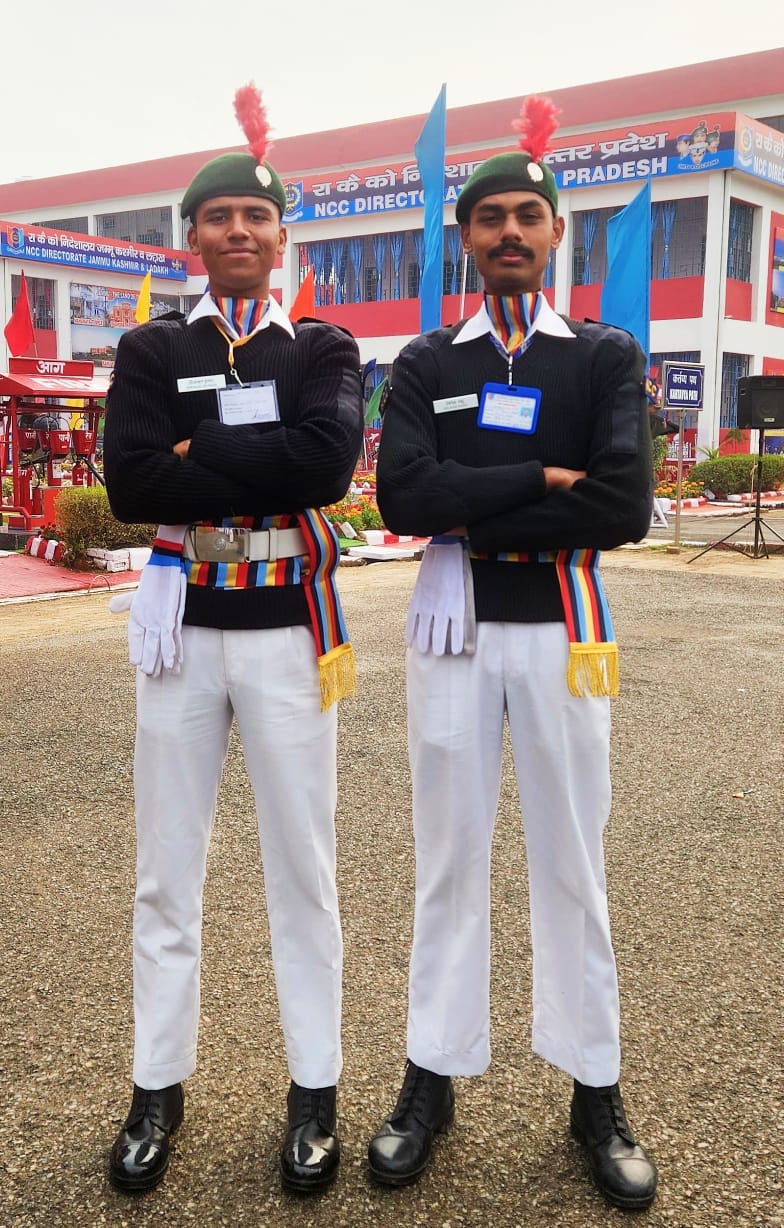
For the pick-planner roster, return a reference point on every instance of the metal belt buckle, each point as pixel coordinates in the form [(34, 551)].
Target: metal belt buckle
[(224, 545)]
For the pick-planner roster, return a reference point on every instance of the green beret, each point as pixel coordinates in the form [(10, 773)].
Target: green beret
[(233, 174), (509, 172)]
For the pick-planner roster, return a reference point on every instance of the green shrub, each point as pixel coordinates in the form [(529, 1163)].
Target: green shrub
[(371, 517), (85, 521), (737, 475), (659, 454)]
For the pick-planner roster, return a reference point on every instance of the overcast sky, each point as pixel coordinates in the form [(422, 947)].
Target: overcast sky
[(93, 83)]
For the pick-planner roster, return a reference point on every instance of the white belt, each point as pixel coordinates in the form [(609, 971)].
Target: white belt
[(237, 545)]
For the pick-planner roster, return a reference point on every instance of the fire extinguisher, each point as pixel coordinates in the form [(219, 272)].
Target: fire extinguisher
[(26, 488), (78, 474), (59, 443)]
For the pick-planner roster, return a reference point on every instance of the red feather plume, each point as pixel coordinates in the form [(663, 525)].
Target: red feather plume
[(252, 117), (536, 125)]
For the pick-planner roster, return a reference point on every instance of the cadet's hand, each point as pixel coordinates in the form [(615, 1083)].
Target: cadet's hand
[(561, 479), (181, 448)]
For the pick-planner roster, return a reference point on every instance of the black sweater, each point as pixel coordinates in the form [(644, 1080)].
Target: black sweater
[(304, 460), (439, 471)]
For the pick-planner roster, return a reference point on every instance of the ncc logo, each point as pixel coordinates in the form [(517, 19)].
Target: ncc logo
[(16, 238), (294, 198)]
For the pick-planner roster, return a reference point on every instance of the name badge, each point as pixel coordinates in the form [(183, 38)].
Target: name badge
[(447, 405), (241, 404), (200, 383), (509, 407)]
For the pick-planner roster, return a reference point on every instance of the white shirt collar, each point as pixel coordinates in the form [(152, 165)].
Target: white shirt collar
[(547, 321), (274, 314)]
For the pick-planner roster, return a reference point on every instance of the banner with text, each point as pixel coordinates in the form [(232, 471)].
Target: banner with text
[(777, 271), (683, 146), (759, 150), (23, 242), (101, 314)]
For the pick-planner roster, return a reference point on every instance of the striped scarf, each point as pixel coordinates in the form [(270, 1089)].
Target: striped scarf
[(512, 316), (241, 314), (593, 652), (316, 574)]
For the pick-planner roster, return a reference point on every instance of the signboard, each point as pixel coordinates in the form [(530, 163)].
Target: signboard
[(101, 314), (668, 147), (23, 242), (703, 142), (682, 385), (706, 141), (759, 150), (379, 189), (777, 270), (48, 366)]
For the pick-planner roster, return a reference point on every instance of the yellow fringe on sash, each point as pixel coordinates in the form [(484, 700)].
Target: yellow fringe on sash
[(337, 675), (593, 669)]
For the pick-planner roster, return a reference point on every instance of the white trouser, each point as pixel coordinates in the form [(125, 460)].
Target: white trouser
[(268, 681), (456, 707)]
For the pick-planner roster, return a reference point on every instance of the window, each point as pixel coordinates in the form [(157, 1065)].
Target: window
[(450, 281), (386, 266), (41, 293), (76, 225), (678, 235), (453, 277), (578, 265), (740, 237), (474, 283), (151, 226), (773, 121), (733, 368), (369, 284), (589, 246), (189, 301)]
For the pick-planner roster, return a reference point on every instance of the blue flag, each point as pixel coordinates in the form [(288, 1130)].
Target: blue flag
[(626, 295), (430, 150)]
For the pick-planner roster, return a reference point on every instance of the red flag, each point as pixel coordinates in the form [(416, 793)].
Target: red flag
[(19, 329), (305, 302)]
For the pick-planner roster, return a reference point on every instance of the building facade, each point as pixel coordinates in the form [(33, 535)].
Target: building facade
[(710, 138)]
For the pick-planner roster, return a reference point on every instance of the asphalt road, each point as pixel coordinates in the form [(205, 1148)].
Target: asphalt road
[(695, 896), (709, 528)]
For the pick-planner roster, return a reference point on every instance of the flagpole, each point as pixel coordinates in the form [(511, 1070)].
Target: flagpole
[(463, 284), (429, 150)]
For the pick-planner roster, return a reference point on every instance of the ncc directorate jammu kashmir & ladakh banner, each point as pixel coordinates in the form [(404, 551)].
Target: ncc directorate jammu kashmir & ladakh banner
[(23, 242)]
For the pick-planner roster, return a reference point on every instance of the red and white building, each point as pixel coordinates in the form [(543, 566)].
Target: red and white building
[(710, 137)]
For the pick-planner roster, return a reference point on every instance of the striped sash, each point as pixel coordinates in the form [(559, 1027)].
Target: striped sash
[(593, 653), (337, 671)]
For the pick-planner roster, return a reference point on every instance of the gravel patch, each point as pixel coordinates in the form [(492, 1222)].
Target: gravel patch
[(695, 897)]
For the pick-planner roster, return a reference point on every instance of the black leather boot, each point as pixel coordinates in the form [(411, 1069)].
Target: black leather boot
[(400, 1152), (620, 1167), (311, 1153), (140, 1155)]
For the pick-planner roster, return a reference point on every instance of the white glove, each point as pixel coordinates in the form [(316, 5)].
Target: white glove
[(121, 602), (441, 615), (157, 607)]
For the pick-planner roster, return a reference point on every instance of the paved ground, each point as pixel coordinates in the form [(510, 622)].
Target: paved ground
[(695, 875)]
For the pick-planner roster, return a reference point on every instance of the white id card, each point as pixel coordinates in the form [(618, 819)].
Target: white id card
[(241, 404), (509, 407)]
